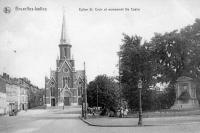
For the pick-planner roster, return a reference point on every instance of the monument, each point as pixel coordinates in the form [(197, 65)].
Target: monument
[(185, 94)]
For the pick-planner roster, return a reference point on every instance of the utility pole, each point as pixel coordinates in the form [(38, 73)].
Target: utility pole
[(85, 93), (58, 96), (63, 99), (82, 101), (45, 91)]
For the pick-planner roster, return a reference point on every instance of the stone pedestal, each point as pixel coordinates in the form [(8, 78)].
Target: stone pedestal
[(185, 94)]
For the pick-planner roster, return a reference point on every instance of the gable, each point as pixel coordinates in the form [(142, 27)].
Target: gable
[(65, 64), (52, 82), (80, 80)]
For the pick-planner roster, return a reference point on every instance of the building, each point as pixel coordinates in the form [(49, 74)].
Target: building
[(35, 97), (30, 94), (18, 94), (23, 97), (12, 95), (65, 84), (3, 104)]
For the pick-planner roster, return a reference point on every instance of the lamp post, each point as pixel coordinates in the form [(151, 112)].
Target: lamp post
[(85, 88), (82, 101), (140, 102), (97, 98)]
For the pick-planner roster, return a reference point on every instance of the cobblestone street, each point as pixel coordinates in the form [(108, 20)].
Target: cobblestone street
[(62, 121)]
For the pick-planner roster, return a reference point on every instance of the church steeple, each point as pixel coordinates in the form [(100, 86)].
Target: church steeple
[(64, 37), (65, 46)]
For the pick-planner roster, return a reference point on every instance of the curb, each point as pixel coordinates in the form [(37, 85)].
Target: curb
[(97, 125), (147, 125)]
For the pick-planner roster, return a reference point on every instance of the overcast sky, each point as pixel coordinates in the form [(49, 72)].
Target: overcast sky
[(29, 39)]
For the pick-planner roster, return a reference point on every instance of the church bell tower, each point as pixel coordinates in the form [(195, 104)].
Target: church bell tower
[(65, 46)]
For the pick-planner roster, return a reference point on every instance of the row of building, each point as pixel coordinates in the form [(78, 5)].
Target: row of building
[(18, 94)]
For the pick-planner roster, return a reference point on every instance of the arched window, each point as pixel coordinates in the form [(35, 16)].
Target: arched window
[(65, 52), (63, 82), (79, 91), (52, 91), (66, 81)]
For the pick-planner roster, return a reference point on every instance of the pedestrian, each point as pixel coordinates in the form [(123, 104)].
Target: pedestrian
[(13, 112), (122, 112), (125, 112), (93, 111), (118, 113)]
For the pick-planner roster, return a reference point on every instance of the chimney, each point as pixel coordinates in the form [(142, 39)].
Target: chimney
[(4, 75)]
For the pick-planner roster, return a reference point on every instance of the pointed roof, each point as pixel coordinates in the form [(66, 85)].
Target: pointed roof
[(184, 78), (61, 66), (64, 37)]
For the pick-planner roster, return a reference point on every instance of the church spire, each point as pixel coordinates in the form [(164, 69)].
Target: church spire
[(65, 46), (64, 37)]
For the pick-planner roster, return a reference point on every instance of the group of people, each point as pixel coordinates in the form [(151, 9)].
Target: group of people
[(93, 110), (122, 112)]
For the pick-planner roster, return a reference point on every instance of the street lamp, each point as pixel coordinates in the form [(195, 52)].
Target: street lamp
[(97, 98), (85, 88), (82, 101), (140, 102)]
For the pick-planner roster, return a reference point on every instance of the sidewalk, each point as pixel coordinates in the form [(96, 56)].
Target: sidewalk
[(31, 112), (133, 122)]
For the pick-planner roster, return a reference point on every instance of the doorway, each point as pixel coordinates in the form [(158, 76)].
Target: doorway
[(66, 101), (53, 102), (79, 101)]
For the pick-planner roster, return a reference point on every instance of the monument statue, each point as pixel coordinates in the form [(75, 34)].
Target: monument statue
[(185, 94)]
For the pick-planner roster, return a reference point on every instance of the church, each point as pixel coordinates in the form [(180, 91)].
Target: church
[(65, 85)]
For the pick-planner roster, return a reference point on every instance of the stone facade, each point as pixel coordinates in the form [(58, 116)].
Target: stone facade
[(23, 98), (18, 94), (65, 85), (12, 96)]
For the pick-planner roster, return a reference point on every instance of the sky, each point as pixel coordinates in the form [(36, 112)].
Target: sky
[(29, 39)]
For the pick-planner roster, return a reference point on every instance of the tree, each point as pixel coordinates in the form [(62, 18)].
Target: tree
[(107, 90), (167, 97), (161, 60), (135, 64), (176, 54), (170, 61)]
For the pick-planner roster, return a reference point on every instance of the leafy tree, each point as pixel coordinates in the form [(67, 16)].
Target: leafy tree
[(162, 60), (192, 35), (167, 97), (135, 64), (176, 54), (107, 90)]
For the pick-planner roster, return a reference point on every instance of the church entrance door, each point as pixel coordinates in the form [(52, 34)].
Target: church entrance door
[(53, 102), (79, 101), (66, 101)]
